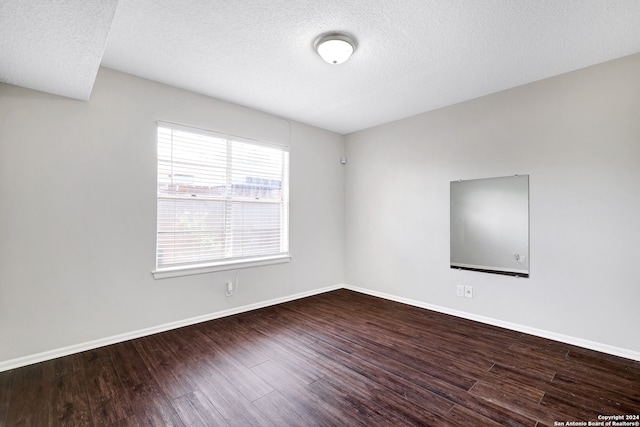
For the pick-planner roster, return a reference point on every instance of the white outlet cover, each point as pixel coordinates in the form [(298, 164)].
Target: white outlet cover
[(230, 288), (468, 292), (460, 291)]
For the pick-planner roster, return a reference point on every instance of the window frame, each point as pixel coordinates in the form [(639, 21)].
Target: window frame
[(229, 263)]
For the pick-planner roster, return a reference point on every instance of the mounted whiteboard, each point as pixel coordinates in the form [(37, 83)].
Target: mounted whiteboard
[(490, 225)]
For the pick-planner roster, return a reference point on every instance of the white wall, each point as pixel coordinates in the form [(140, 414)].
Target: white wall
[(578, 137), (77, 209), (78, 212)]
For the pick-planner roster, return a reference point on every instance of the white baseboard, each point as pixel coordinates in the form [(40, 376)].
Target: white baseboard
[(77, 348), (592, 345)]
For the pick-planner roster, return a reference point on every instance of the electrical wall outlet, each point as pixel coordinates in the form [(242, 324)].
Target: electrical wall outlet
[(229, 289), (460, 291), (468, 291)]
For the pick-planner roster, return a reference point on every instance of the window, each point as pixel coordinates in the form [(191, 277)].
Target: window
[(223, 201)]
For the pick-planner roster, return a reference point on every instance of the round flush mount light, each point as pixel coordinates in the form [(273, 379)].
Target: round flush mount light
[(335, 48)]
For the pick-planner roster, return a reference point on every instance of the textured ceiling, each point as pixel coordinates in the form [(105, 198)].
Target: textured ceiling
[(413, 55), (54, 46)]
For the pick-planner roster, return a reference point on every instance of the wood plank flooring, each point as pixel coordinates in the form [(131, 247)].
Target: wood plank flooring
[(335, 359)]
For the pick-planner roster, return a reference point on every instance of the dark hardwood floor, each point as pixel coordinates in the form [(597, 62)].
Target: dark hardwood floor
[(336, 359)]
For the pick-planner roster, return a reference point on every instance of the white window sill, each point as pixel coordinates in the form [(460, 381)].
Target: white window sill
[(187, 270)]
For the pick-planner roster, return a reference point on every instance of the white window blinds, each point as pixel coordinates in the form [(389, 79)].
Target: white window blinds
[(221, 199)]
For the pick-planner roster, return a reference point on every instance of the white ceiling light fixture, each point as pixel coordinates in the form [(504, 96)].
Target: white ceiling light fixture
[(335, 48)]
